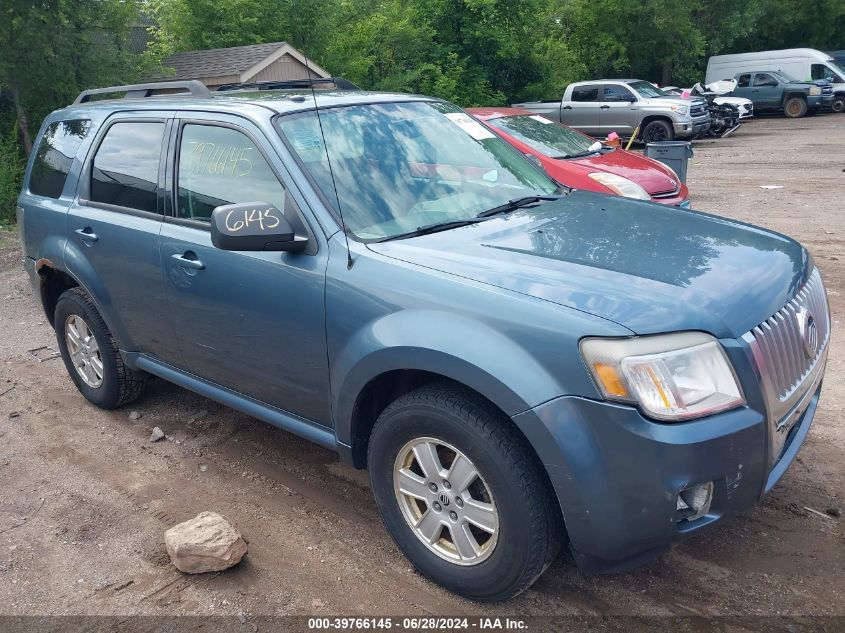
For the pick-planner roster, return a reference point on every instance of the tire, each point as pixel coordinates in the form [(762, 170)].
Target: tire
[(102, 378), (657, 131), (838, 104), (795, 107), (528, 532)]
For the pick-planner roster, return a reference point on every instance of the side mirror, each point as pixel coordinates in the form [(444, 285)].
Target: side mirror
[(253, 226), (632, 98)]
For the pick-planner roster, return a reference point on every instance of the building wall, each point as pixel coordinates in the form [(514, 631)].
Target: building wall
[(284, 68)]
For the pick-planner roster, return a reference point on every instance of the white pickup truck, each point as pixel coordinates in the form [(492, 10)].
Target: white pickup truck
[(603, 106)]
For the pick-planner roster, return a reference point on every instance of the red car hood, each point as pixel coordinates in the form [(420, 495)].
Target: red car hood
[(651, 175)]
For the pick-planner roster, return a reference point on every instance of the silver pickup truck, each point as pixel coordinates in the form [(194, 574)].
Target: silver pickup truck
[(603, 106)]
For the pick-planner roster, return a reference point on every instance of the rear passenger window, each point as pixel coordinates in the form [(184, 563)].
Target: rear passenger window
[(744, 81), (585, 93), (54, 156), (219, 165), (125, 172)]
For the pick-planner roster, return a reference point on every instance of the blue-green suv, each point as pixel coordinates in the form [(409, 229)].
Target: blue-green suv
[(518, 365)]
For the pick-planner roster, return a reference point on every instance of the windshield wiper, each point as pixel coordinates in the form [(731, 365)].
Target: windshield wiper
[(580, 154), (433, 228), (516, 203)]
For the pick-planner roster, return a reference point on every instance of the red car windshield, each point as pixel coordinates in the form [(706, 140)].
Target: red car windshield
[(544, 136)]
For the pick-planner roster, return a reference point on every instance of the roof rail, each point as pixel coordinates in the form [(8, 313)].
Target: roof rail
[(291, 84), (133, 91)]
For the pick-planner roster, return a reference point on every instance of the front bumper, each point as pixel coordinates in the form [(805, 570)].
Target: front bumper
[(814, 103), (691, 127), (617, 475)]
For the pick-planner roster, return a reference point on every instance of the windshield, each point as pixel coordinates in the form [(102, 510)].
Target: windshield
[(647, 90), (400, 166), (543, 135), (782, 75)]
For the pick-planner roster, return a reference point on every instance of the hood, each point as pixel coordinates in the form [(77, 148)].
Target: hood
[(649, 174), (645, 266)]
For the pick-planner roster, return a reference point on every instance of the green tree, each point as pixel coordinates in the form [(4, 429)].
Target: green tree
[(52, 49)]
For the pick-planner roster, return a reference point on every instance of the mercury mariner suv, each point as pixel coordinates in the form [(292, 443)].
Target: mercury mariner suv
[(518, 365)]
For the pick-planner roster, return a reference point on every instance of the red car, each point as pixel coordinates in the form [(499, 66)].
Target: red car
[(579, 161)]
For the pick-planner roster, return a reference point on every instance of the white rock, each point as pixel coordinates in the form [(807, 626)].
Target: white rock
[(157, 435), (208, 542)]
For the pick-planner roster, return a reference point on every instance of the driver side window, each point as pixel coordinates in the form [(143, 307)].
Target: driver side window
[(764, 80), (744, 81), (220, 165), (617, 93)]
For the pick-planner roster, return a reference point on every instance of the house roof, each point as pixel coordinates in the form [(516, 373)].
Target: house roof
[(238, 60)]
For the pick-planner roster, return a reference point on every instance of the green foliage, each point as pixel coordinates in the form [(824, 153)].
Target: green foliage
[(11, 171), (472, 52)]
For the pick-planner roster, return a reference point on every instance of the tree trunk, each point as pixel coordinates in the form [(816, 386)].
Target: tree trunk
[(667, 73), (23, 120)]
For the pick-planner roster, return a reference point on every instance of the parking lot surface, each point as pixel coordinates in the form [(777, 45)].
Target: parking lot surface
[(86, 497)]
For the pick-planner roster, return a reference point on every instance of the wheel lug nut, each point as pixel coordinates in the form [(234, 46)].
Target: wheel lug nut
[(446, 484), (459, 502), (437, 507), (432, 486), (453, 516)]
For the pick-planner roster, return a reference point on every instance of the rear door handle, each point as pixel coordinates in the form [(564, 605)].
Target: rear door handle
[(567, 107), (87, 235), (188, 260), (604, 107)]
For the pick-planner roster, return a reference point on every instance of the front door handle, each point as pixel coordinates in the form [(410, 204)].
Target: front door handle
[(188, 260), (567, 107), (87, 235), (604, 107)]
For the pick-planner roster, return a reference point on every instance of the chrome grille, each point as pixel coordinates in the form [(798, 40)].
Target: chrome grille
[(788, 374), (780, 339), (667, 194)]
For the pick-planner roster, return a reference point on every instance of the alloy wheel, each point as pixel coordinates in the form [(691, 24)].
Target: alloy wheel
[(445, 501), (84, 351)]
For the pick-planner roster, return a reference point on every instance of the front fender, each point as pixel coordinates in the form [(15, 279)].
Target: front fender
[(456, 347)]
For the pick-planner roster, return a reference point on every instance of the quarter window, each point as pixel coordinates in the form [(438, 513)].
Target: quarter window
[(54, 156), (219, 165), (125, 172), (585, 93)]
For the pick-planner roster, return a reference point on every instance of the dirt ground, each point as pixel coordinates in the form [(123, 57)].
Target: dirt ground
[(85, 498)]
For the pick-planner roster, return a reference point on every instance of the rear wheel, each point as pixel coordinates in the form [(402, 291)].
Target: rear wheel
[(90, 353), (795, 107), (657, 131), (462, 493)]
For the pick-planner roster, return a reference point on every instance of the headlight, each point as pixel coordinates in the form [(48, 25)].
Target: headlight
[(815, 91), (671, 377), (620, 186), (680, 109)]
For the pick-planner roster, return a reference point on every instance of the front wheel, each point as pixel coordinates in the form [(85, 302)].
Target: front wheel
[(838, 104), (462, 493), (795, 107), (657, 131)]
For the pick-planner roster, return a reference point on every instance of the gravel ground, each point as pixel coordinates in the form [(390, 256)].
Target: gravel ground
[(86, 498)]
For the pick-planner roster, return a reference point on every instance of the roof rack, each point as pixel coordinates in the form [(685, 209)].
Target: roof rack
[(291, 84), (133, 91)]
